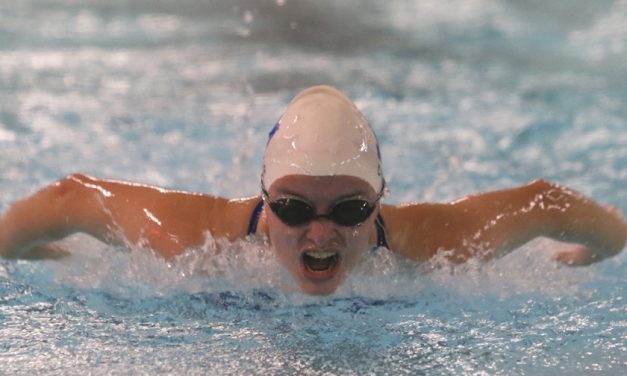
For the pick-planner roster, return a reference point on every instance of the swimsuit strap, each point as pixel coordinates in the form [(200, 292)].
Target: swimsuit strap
[(379, 224), (254, 218)]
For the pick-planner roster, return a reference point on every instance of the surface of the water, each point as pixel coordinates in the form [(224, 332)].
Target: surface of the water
[(465, 96)]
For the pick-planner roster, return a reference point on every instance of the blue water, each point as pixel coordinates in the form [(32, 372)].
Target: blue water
[(465, 96)]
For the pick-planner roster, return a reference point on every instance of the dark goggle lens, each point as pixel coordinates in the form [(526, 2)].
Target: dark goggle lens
[(294, 212), (351, 213)]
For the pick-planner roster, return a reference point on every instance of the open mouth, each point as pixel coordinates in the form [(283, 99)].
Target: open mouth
[(320, 262)]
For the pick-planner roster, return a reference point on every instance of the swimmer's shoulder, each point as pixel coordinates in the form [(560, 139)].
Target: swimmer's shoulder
[(188, 214), (417, 230), (222, 217), (230, 217)]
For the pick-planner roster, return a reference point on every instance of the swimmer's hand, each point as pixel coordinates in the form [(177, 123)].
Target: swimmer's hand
[(576, 255), (46, 251), (573, 254), (36, 252)]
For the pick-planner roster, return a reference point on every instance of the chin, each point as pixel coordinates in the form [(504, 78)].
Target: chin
[(319, 288)]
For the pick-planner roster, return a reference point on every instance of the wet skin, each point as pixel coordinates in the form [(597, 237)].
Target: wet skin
[(292, 244), (321, 253)]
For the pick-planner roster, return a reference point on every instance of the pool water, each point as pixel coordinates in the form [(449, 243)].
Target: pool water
[(465, 96)]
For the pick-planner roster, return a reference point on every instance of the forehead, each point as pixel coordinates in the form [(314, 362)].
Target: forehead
[(322, 187)]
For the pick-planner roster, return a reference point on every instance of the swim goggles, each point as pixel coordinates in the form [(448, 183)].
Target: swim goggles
[(296, 212)]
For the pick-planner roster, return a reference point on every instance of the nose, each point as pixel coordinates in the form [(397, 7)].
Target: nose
[(321, 232)]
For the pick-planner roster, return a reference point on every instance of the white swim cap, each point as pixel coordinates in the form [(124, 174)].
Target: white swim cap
[(322, 133)]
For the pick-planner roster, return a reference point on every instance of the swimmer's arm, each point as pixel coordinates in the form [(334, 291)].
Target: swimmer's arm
[(117, 213), (492, 224)]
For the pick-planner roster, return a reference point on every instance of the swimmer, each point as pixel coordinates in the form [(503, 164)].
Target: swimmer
[(320, 208)]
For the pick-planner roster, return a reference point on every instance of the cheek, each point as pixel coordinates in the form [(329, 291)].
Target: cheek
[(361, 234), (358, 241), (282, 238), (354, 237), (358, 238)]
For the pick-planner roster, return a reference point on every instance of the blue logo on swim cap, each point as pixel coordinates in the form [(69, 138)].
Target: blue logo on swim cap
[(273, 131)]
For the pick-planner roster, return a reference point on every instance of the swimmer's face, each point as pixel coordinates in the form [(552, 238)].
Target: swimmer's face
[(319, 254)]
